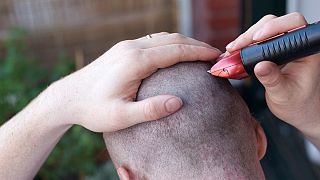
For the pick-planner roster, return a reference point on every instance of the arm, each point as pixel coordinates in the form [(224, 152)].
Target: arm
[(28, 138), (100, 97), (292, 91)]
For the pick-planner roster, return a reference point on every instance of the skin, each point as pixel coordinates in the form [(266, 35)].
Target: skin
[(293, 90), (125, 173), (174, 148), (99, 97)]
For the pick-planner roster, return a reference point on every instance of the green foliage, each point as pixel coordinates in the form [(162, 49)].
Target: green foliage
[(21, 79), (74, 155), (107, 171)]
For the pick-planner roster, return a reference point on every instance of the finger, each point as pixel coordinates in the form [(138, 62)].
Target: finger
[(167, 39), (269, 74), (165, 56), (280, 25), (223, 55), (152, 108), (247, 38)]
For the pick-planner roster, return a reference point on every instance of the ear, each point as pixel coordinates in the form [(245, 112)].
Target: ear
[(261, 139), (123, 173)]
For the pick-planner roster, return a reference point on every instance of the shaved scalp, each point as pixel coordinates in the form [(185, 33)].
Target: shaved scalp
[(211, 137)]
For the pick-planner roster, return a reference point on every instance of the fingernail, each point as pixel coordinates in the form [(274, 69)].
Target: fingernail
[(173, 104), (264, 72), (257, 35), (224, 54), (230, 45)]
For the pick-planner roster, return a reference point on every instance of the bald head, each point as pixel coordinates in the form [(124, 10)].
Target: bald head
[(211, 137)]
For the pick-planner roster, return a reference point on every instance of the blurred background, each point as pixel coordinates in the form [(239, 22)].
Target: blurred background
[(43, 40)]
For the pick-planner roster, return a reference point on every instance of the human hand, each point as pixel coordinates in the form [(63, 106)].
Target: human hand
[(293, 90), (101, 96)]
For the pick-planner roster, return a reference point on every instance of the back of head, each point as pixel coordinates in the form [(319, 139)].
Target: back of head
[(211, 137)]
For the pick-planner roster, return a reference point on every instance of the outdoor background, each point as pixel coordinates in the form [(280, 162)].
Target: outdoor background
[(44, 40)]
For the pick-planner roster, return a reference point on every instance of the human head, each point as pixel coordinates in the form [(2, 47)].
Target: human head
[(213, 136)]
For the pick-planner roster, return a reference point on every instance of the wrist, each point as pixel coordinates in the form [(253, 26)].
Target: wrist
[(311, 131), (304, 117), (28, 138), (313, 138), (53, 103)]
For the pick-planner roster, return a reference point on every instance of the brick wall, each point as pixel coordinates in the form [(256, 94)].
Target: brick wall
[(216, 22), (89, 28), (85, 28)]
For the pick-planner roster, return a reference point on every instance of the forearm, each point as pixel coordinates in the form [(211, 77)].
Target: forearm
[(27, 139)]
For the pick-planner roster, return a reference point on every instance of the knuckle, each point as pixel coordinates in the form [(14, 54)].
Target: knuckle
[(298, 17), (164, 33), (272, 81), (150, 111), (178, 37), (127, 44), (269, 16)]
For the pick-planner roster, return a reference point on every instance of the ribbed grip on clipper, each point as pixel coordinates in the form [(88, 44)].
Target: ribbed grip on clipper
[(283, 49)]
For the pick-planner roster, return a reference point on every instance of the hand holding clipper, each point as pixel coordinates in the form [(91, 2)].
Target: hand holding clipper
[(292, 91), (283, 48)]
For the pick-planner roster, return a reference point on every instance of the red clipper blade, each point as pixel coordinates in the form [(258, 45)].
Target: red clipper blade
[(229, 67)]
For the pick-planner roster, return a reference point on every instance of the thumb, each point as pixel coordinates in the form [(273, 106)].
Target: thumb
[(153, 108), (269, 74)]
